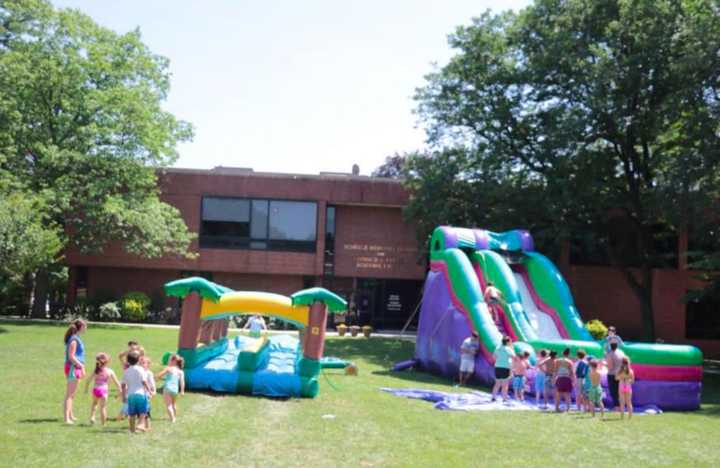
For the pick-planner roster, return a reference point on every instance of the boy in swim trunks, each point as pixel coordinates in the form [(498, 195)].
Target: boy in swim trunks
[(540, 378), (520, 366), (581, 370), (468, 350), (595, 391), (135, 389)]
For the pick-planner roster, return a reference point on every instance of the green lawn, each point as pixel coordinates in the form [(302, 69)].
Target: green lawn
[(370, 428)]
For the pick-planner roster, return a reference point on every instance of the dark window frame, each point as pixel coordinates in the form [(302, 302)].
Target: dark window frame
[(245, 243)]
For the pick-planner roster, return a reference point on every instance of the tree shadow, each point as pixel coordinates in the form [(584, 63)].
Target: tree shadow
[(3, 330), (383, 352), (40, 420)]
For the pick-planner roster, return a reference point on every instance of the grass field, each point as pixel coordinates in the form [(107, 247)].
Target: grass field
[(370, 428)]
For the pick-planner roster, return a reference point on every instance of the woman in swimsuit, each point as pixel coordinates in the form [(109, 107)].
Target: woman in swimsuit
[(625, 377)]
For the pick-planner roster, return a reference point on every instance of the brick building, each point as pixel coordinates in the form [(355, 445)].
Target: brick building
[(279, 233)]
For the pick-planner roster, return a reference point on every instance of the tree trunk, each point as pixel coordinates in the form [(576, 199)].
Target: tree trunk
[(40, 294), (646, 304)]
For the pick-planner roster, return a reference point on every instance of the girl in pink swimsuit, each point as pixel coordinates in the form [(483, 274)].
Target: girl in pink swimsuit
[(100, 379), (625, 377)]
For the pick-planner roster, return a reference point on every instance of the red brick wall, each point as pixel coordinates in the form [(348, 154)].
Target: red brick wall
[(374, 242), (603, 292), (184, 190)]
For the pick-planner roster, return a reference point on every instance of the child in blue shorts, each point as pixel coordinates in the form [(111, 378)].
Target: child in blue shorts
[(540, 378), (520, 366), (135, 390)]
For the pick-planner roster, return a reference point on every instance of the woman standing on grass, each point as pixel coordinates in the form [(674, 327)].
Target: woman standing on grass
[(74, 365)]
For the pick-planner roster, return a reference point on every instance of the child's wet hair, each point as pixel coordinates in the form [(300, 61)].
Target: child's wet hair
[(613, 345), (581, 353), (543, 352), (566, 352), (101, 360), (179, 361), (132, 343), (505, 340), (526, 354), (553, 354), (133, 357)]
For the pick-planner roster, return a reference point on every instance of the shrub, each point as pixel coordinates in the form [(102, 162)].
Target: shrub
[(103, 296), (597, 329), (83, 309), (134, 306), (109, 312)]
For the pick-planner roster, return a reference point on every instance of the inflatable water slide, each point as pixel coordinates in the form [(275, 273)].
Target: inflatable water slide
[(539, 313), (275, 366)]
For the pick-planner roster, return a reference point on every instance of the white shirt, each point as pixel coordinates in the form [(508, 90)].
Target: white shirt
[(134, 377), (150, 381), (257, 324)]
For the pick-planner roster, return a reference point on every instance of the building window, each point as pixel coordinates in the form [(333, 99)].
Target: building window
[(329, 257), (702, 322), (239, 223)]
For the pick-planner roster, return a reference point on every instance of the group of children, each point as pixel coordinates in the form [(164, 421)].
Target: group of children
[(137, 387), (558, 376)]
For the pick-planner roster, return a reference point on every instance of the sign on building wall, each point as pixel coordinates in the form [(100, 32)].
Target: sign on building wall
[(371, 257)]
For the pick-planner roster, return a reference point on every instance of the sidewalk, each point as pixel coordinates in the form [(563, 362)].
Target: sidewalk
[(330, 333)]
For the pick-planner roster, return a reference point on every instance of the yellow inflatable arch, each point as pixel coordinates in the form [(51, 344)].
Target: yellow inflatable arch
[(249, 302)]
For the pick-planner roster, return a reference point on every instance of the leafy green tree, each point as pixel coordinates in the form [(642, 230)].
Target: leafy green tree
[(603, 107), (83, 130), (392, 167)]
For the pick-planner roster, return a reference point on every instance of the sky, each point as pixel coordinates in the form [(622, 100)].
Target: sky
[(290, 85)]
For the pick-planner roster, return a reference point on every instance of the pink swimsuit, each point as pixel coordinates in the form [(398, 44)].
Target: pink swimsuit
[(100, 390)]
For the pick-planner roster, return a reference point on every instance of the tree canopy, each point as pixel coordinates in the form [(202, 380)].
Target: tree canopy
[(82, 130), (599, 115)]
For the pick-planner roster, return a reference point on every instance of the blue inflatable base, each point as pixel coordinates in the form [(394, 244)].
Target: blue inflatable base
[(277, 376)]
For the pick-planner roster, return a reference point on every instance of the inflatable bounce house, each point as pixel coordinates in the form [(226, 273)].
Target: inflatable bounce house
[(275, 366), (539, 313)]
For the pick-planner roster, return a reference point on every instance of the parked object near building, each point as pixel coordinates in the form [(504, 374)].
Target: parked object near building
[(275, 366), (538, 312)]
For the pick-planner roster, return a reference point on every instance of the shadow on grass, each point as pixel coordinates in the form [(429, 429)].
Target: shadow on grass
[(3, 330), (40, 420), (384, 352)]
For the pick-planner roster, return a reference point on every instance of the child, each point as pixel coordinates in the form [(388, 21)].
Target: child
[(540, 379), (100, 377), (595, 391), (468, 350), (135, 389), (132, 346), (520, 366), (174, 384), (581, 370), (612, 337), (564, 380), (145, 363), (256, 324), (549, 369), (626, 377)]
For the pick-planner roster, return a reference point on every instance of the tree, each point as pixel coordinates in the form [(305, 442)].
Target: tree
[(610, 107), (392, 167), (82, 130)]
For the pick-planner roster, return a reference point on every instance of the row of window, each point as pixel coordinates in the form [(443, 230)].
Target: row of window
[(242, 223)]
